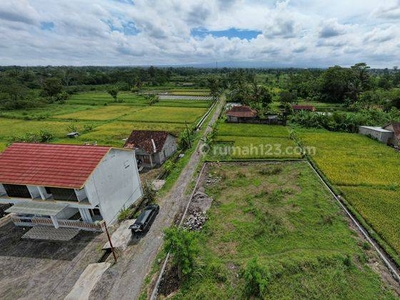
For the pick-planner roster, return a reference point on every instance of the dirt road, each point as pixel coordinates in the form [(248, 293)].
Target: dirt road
[(124, 279)]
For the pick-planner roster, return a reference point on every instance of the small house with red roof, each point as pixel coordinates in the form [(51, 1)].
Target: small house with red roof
[(152, 148), (69, 186), (241, 114)]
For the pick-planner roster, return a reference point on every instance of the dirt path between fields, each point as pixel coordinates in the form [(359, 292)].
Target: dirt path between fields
[(124, 279)]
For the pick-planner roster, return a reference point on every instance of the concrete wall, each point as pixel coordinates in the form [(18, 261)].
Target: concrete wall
[(66, 213), (115, 184), (34, 191), (80, 194), (383, 137), (2, 190), (169, 149)]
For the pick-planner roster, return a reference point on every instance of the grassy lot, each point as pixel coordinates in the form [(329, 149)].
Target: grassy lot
[(106, 124), (102, 113), (251, 130), (184, 103), (367, 172), (166, 114), (380, 208), (353, 159), (14, 128), (113, 133), (253, 141), (102, 98), (280, 218), (44, 112)]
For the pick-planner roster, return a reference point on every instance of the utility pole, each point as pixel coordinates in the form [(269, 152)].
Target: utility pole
[(188, 135), (109, 240)]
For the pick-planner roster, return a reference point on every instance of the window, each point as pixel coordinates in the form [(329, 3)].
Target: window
[(62, 194), (20, 191)]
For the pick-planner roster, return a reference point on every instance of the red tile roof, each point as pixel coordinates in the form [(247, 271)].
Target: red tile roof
[(142, 139), (241, 112), (64, 166)]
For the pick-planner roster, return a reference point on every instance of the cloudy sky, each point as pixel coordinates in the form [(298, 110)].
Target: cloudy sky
[(291, 33)]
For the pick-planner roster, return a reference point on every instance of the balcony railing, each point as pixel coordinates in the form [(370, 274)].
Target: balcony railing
[(32, 221)]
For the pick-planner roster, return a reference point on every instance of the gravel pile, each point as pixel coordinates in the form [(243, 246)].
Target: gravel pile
[(195, 221)]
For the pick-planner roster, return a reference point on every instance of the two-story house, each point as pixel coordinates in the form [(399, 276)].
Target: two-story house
[(67, 185)]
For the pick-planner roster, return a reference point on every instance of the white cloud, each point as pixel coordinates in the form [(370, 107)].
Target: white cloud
[(307, 33)]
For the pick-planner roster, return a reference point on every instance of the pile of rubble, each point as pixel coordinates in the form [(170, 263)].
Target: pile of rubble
[(195, 221)]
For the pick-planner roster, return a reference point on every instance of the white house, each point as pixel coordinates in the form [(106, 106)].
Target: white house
[(152, 148), (67, 185), (378, 133)]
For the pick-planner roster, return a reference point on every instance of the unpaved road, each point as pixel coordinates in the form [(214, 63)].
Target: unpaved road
[(124, 280)]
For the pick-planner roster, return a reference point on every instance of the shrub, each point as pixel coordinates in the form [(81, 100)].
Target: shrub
[(256, 279)]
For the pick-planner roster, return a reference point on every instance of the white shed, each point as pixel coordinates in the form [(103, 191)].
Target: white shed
[(378, 133)]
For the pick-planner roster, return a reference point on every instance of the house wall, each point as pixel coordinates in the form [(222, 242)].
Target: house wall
[(114, 184), (170, 147), (34, 191), (66, 213), (2, 190), (383, 137)]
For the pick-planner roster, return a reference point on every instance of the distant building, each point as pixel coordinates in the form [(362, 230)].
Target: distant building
[(378, 133), (152, 148), (395, 128), (241, 114), (297, 108), (67, 185)]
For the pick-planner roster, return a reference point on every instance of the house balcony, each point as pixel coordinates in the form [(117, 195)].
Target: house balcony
[(77, 224)]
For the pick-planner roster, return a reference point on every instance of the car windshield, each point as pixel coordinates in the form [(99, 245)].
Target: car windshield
[(143, 216)]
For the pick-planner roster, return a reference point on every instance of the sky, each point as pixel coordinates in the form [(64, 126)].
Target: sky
[(266, 33)]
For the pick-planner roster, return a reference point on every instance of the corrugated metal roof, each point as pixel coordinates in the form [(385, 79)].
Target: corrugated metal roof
[(37, 208), (64, 166)]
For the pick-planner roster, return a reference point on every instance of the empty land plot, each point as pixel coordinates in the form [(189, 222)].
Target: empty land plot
[(102, 113), (230, 129), (253, 141), (380, 208), (353, 159), (166, 114), (47, 111), (257, 147), (367, 172), (280, 220), (101, 98), (113, 133), (184, 103), (10, 128)]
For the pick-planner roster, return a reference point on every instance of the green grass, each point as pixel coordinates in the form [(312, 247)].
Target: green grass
[(101, 98), (47, 111), (380, 209), (281, 214), (253, 141), (184, 103), (13, 127), (252, 130), (102, 113), (113, 133), (166, 114), (258, 147), (110, 123), (353, 159), (367, 173)]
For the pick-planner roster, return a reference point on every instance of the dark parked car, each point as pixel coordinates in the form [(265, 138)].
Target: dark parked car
[(145, 219)]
